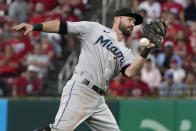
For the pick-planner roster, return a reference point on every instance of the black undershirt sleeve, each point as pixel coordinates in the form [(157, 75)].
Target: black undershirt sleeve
[(63, 27)]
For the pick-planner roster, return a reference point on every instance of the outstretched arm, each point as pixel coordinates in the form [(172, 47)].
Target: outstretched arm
[(49, 26)]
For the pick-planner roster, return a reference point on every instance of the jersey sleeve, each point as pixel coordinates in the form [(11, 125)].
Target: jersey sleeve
[(128, 59), (79, 28)]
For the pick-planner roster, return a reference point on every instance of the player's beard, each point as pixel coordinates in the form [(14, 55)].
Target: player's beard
[(125, 31)]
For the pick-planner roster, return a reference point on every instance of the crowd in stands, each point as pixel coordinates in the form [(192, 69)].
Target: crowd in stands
[(171, 70), (26, 61)]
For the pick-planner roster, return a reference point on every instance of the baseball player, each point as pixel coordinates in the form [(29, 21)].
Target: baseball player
[(103, 56)]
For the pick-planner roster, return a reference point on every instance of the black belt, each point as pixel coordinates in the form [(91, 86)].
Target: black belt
[(94, 87)]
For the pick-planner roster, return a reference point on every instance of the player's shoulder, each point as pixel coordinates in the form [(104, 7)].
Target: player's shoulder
[(93, 26), (97, 24), (98, 27), (90, 23)]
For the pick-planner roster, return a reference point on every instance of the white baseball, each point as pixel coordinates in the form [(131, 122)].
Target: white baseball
[(144, 42)]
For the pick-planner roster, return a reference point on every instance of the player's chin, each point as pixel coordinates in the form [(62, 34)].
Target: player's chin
[(127, 32)]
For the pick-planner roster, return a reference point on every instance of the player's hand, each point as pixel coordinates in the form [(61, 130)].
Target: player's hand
[(23, 26)]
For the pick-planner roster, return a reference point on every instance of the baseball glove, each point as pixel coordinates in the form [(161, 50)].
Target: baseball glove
[(155, 31)]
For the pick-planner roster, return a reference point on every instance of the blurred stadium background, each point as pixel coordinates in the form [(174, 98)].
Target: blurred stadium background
[(34, 68)]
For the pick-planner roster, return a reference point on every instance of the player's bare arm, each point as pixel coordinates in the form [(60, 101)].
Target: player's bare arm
[(137, 65), (49, 26)]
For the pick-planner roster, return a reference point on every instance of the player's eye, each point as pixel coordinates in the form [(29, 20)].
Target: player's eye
[(130, 19)]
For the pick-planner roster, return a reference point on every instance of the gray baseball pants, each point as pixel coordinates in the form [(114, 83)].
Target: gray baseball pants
[(80, 103)]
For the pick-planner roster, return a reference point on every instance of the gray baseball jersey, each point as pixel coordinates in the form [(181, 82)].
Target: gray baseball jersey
[(102, 57)]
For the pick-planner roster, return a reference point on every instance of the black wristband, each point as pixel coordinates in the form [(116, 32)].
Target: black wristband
[(37, 27), (145, 52)]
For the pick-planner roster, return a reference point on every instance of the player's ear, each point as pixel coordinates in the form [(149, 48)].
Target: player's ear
[(116, 19)]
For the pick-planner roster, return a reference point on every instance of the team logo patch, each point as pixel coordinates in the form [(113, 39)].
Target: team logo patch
[(109, 45)]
